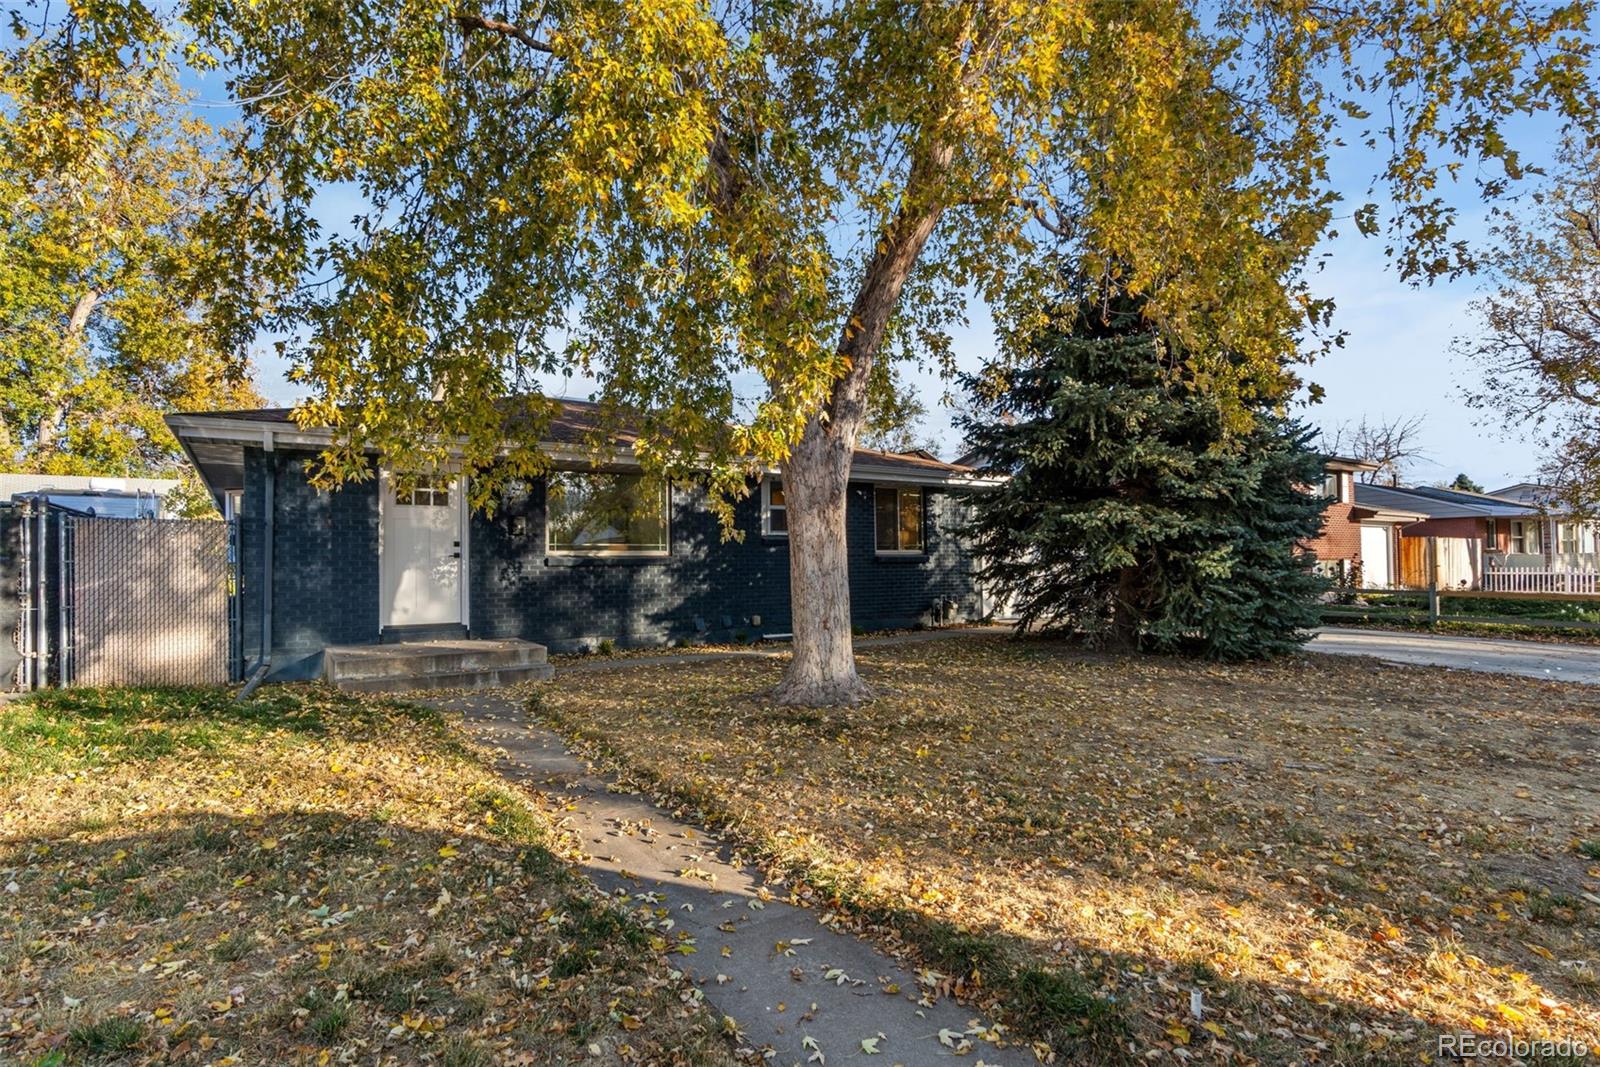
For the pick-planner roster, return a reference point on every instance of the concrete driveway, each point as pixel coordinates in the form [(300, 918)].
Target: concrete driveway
[(1536, 659)]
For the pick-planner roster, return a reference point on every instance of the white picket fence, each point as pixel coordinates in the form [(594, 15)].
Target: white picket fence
[(1518, 580)]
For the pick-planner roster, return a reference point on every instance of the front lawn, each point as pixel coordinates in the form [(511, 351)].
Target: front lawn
[(304, 878), (1567, 621), (1342, 860)]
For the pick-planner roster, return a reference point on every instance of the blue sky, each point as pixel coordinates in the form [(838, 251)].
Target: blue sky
[(1396, 363)]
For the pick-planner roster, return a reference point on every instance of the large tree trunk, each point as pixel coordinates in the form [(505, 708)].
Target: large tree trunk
[(1125, 616), (815, 480), (817, 474)]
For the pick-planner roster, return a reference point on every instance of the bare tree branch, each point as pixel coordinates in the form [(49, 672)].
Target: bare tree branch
[(504, 29), (1057, 226), (1392, 445)]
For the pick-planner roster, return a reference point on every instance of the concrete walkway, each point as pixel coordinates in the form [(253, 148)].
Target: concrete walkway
[(792, 984), (1535, 659)]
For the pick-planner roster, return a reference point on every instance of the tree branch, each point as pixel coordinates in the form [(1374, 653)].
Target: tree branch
[(887, 270), (1057, 226), (504, 29)]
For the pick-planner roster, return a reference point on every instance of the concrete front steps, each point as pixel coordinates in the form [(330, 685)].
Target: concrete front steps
[(408, 666)]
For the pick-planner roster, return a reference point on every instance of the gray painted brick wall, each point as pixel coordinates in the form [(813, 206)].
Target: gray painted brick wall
[(705, 585), (325, 550), (326, 590)]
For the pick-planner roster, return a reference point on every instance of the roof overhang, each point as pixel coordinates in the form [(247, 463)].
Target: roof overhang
[(1348, 464), (216, 448), (871, 472), (1386, 515)]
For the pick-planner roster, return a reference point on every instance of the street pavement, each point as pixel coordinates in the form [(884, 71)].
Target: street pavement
[(1535, 659)]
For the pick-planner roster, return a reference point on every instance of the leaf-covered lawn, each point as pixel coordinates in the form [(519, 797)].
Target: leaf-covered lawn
[(1344, 860), (305, 878)]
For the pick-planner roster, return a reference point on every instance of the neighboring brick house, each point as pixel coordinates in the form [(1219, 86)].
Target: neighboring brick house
[(1341, 530), (1478, 532), (1498, 523), (1359, 544), (1463, 526), (571, 559), (1545, 536)]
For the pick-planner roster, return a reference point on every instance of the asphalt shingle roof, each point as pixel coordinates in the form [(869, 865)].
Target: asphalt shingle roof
[(578, 420), (1438, 503)]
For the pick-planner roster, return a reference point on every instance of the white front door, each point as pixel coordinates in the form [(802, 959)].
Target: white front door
[(419, 569), (1375, 570)]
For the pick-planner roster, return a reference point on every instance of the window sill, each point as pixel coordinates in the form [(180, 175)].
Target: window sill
[(604, 559), (909, 556)]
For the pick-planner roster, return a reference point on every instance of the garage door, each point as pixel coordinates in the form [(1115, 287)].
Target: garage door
[(1376, 571)]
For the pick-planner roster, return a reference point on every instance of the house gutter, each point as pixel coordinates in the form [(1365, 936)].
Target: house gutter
[(204, 428), (264, 665)]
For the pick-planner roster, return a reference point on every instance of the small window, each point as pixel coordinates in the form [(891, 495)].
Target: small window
[(605, 513), (774, 509), (1336, 485), (425, 492), (1524, 537), (1567, 534), (898, 518)]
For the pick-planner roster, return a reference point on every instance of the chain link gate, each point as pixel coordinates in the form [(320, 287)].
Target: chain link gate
[(129, 601)]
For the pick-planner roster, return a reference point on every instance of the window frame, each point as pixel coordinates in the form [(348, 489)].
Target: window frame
[(606, 551), (1521, 532), (1569, 539), (1335, 487), (433, 486), (922, 520), (768, 507)]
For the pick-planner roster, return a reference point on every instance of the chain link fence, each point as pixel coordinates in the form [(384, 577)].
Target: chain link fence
[(126, 601)]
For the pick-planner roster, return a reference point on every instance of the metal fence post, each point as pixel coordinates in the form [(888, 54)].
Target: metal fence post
[(235, 627), (63, 601), (25, 597), (1433, 581), (41, 618)]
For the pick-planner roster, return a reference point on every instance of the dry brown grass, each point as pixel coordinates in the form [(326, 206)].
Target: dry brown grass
[(309, 878), (1345, 860)]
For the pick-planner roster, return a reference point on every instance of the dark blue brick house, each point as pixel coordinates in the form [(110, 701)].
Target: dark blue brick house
[(569, 560)]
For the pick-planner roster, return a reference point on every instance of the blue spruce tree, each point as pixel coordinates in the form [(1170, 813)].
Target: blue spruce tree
[(1129, 513)]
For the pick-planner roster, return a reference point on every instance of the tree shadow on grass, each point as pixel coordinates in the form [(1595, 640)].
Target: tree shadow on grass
[(283, 937), (1122, 1007), (1274, 875)]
